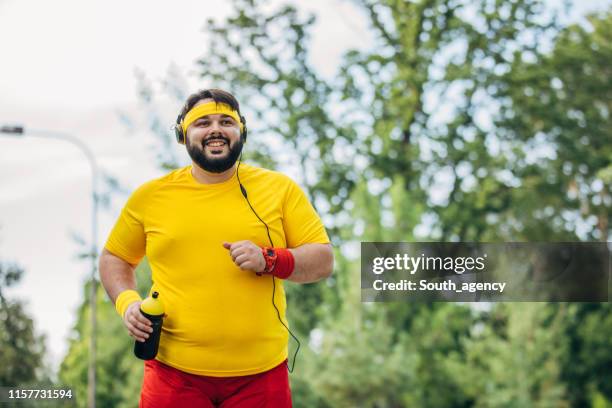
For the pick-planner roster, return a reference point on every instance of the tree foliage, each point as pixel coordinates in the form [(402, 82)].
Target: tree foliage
[(21, 348), (433, 134), (558, 108)]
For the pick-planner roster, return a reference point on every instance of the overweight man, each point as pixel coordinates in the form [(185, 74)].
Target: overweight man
[(221, 238)]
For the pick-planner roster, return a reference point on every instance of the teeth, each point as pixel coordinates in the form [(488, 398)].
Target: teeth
[(215, 143)]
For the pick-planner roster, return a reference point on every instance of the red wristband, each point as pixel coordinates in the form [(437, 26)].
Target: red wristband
[(284, 265)]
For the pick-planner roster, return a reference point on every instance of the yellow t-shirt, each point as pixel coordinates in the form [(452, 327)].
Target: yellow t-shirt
[(220, 319)]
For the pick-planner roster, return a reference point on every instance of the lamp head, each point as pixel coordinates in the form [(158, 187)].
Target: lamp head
[(12, 129)]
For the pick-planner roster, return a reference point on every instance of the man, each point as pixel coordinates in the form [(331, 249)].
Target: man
[(220, 237)]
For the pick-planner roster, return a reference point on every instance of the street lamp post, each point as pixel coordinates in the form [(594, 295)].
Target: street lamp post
[(20, 131)]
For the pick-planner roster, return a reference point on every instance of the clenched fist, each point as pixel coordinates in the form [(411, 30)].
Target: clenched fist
[(246, 255)]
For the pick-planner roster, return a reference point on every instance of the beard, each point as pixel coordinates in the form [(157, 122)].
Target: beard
[(214, 164)]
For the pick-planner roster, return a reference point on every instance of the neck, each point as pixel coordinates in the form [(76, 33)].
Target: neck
[(205, 177)]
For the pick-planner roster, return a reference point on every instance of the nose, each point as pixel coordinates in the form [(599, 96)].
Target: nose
[(215, 127)]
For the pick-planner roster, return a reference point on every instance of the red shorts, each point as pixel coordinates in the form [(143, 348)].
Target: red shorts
[(166, 387)]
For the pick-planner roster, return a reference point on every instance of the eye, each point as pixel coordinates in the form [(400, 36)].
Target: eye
[(202, 123), (227, 122)]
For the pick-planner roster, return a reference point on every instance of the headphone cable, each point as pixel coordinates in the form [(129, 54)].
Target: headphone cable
[(244, 194)]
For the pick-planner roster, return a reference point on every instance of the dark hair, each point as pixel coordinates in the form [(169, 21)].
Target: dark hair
[(217, 95)]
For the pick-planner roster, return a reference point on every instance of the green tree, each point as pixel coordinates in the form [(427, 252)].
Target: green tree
[(21, 348), (516, 363), (587, 364), (557, 109)]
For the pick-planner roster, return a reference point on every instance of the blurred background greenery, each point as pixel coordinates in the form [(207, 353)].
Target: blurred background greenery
[(485, 120)]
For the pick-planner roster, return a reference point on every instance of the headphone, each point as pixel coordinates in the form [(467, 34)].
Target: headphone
[(180, 135)]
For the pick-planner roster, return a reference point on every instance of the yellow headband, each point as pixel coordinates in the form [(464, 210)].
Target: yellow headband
[(210, 108)]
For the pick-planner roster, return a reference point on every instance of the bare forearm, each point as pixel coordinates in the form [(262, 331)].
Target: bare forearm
[(313, 262), (116, 275)]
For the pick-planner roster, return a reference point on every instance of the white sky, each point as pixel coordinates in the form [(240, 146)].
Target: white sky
[(68, 65)]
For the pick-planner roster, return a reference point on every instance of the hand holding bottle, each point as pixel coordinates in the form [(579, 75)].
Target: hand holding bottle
[(139, 327), (152, 310)]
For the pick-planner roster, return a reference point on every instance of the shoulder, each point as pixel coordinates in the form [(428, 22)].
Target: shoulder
[(259, 174), (275, 184)]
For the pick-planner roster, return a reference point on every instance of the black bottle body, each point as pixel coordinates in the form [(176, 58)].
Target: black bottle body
[(148, 349)]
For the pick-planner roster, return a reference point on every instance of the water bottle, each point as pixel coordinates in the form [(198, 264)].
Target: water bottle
[(153, 309)]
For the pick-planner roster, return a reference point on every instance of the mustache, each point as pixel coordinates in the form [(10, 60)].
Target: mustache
[(213, 138)]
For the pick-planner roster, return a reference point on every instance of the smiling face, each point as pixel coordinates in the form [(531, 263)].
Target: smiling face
[(213, 141)]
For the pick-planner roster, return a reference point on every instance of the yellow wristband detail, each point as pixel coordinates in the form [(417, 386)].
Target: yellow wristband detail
[(210, 108), (126, 298)]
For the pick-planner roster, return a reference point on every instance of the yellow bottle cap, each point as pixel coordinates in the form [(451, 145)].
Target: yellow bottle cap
[(152, 305)]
